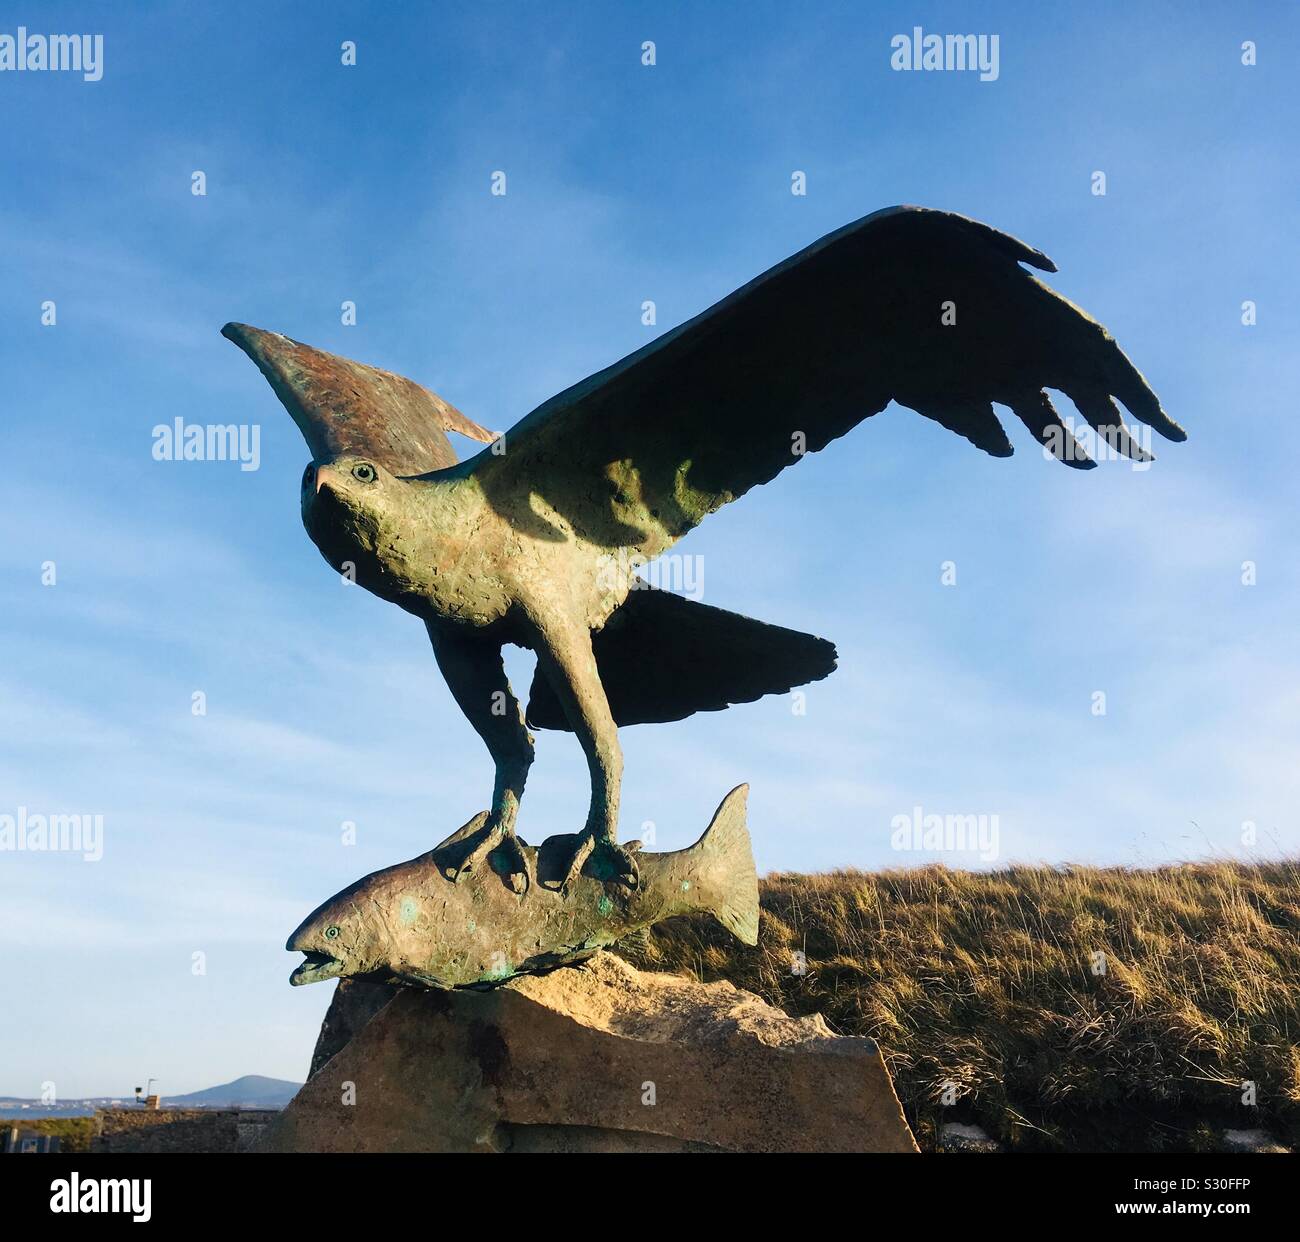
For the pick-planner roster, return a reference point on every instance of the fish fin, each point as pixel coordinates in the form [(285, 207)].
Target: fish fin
[(725, 861), (636, 944)]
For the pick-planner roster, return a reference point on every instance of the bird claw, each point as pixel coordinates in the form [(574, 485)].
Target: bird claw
[(586, 844), (609, 861), (502, 852), (510, 862)]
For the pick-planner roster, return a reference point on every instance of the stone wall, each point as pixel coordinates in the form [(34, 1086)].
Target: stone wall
[(178, 1130)]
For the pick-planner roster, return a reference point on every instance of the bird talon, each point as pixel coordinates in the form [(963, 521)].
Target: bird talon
[(510, 862), (609, 861), (586, 843), (502, 853), (619, 862)]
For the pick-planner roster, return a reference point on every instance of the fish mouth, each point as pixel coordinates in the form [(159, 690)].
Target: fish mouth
[(318, 966)]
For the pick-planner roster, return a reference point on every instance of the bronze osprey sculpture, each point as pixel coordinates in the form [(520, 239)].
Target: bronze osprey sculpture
[(536, 540)]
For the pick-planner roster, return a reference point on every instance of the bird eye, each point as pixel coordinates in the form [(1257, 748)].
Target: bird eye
[(364, 471), (331, 933)]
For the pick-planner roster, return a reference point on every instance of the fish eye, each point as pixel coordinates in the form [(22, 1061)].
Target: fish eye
[(331, 933), (308, 474), (364, 471)]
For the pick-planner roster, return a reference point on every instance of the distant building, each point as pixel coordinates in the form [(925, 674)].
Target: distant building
[(145, 1097)]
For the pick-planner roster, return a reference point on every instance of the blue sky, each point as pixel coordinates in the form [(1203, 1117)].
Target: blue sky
[(370, 183)]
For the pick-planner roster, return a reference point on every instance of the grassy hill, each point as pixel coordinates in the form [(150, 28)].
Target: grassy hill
[(1068, 1008)]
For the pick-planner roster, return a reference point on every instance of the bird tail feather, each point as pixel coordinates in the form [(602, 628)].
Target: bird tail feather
[(663, 657)]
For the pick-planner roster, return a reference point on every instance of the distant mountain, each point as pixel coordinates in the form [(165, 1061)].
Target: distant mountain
[(251, 1091)]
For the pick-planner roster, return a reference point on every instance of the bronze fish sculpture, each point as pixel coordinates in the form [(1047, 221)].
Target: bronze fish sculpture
[(415, 923)]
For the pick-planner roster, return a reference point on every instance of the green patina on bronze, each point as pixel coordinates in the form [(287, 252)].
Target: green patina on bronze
[(535, 541), (367, 928)]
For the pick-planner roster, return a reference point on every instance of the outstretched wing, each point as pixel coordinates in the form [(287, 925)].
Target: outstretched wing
[(921, 307), (343, 406)]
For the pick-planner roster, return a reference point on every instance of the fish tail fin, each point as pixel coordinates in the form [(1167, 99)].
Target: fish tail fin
[(722, 862)]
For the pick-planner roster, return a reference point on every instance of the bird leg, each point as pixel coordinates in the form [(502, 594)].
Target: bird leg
[(565, 658), (477, 679)]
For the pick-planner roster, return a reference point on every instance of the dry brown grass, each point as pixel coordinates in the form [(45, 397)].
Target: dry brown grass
[(987, 981)]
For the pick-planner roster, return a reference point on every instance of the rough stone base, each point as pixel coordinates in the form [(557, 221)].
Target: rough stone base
[(601, 1057)]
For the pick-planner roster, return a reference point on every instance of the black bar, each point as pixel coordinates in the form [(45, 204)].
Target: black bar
[(1130, 1191)]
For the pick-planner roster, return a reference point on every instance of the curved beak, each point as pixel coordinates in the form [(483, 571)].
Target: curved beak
[(322, 476)]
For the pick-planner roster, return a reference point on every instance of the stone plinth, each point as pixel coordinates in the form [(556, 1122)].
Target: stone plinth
[(601, 1057)]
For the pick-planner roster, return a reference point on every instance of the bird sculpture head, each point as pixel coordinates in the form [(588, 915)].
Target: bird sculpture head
[(357, 514), (372, 434)]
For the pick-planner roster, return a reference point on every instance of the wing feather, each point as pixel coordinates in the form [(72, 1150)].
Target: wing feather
[(344, 406), (925, 308)]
